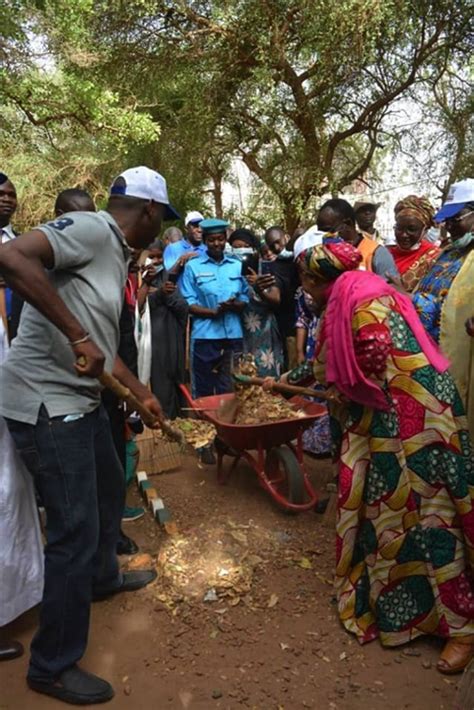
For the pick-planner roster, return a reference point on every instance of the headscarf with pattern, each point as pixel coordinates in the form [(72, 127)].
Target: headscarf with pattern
[(414, 206), (332, 258)]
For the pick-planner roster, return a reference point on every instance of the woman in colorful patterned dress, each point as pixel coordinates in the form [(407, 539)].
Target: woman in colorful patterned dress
[(413, 254), (444, 297), (405, 523)]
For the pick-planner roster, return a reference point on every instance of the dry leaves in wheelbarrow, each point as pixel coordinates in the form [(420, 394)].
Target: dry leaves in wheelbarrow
[(197, 433), (255, 405)]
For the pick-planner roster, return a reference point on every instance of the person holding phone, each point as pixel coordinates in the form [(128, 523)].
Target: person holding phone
[(168, 312), (280, 263), (217, 294), (261, 335)]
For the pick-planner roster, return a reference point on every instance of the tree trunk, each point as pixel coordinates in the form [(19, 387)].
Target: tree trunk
[(465, 694), (217, 192), (291, 218)]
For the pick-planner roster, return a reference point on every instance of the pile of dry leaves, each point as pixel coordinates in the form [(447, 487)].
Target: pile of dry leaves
[(195, 432), (207, 565), (255, 405)]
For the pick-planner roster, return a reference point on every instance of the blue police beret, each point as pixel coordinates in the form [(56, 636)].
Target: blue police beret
[(213, 226)]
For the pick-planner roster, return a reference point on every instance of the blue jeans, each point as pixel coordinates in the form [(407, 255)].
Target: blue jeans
[(80, 481), (212, 363)]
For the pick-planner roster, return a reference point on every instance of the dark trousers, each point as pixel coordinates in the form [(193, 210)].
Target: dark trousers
[(212, 364), (81, 483), (116, 415)]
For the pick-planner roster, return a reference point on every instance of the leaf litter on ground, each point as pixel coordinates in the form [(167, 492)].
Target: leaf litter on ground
[(216, 563)]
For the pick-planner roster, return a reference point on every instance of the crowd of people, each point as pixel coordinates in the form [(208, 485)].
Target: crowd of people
[(387, 329)]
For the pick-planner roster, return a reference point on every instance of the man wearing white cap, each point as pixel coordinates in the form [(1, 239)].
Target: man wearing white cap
[(187, 248), (72, 273), (311, 238)]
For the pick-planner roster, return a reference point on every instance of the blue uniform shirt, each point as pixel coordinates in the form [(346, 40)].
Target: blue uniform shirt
[(207, 283), (174, 251)]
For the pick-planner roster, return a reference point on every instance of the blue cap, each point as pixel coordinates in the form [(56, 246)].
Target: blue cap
[(213, 226), (459, 195), (449, 210)]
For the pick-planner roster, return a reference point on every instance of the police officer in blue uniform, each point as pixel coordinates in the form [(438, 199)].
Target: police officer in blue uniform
[(177, 255), (217, 294)]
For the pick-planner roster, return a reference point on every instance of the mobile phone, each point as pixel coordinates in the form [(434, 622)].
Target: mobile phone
[(173, 277), (266, 267), (249, 265)]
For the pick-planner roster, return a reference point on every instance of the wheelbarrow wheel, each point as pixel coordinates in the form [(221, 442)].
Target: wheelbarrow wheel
[(284, 474)]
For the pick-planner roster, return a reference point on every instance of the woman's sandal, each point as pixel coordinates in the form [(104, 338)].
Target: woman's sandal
[(455, 656)]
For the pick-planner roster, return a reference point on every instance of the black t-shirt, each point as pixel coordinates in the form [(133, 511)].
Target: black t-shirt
[(286, 273)]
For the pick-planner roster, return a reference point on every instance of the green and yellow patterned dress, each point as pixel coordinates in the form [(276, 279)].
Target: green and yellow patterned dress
[(405, 523)]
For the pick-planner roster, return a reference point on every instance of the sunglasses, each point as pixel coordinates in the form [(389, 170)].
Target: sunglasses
[(460, 217), (411, 231)]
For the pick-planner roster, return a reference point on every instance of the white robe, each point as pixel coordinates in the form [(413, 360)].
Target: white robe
[(21, 547)]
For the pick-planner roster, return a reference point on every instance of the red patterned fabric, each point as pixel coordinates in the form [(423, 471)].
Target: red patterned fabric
[(372, 346)]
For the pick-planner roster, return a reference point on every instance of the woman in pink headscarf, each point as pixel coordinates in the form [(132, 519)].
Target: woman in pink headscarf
[(405, 523)]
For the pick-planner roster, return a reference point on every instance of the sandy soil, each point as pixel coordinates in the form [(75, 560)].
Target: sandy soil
[(270, 640)]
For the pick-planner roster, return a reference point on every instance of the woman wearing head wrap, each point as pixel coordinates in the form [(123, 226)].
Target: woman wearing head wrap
[(413, 254), (405, 523), (261, 335)]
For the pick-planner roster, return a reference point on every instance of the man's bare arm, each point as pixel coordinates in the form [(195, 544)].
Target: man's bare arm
[(22, 264)]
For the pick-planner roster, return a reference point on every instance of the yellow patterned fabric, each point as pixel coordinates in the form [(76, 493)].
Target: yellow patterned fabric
[(405, 521)]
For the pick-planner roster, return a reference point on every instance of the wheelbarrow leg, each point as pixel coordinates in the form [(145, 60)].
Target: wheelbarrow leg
[(221, 475), (234, 463)]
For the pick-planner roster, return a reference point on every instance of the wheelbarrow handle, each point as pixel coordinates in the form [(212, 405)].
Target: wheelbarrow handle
[(283, 387)]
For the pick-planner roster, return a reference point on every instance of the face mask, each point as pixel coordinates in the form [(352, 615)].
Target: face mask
[(149, 262), (285, 254), (157, 281), (242, 252), (433, 235)]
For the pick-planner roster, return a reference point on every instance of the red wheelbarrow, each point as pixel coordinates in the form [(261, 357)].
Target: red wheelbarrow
[(277, 460)]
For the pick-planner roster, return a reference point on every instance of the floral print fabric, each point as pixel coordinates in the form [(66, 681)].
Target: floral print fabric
[(262, 338)]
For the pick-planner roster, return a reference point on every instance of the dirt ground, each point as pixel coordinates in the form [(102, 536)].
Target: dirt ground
[(267, 637)]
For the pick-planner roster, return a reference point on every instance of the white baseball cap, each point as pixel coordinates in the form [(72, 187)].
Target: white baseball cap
[(460, 193), (311, 238), (146, 184), (193, 216)]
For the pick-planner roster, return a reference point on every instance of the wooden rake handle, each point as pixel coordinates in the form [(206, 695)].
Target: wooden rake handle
[(284, 388), (111, 383)]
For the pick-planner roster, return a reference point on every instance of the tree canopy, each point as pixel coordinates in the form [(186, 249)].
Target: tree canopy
[(302, 91)]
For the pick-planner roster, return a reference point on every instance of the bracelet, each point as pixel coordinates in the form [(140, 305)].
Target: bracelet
[(84, 339)]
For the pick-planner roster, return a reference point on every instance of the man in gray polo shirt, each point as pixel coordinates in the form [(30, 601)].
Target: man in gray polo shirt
[(72, 274)]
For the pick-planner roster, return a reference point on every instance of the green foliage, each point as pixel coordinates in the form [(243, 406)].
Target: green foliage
[(303, 91)]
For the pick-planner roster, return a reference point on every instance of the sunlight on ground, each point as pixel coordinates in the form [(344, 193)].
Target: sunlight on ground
[(209, 563)]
